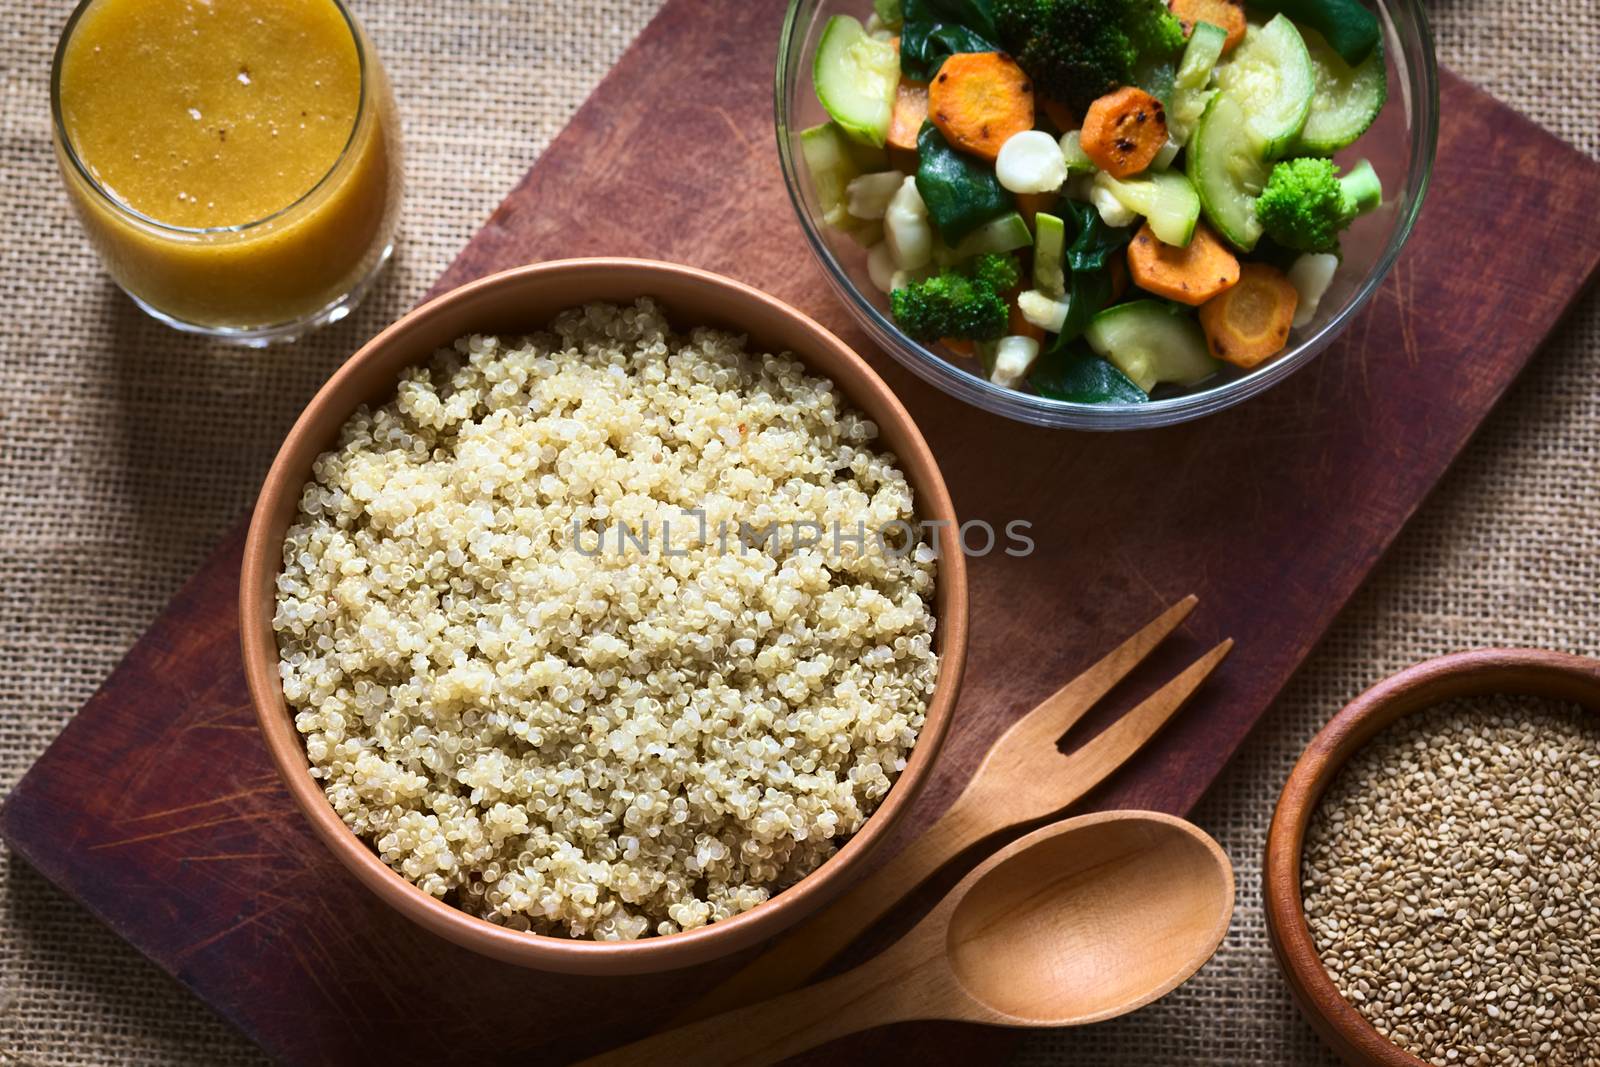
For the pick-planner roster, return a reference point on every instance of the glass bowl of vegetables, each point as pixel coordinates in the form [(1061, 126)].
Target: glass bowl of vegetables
[(1106, 214)]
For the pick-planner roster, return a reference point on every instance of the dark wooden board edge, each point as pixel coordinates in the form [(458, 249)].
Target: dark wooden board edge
[(27, 820)]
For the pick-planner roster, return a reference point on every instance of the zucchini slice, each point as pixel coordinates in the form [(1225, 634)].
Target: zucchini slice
[(1152, 341), (1347, 98), (1005, 234), (833, 161), (1165, 198), (1191, 92), (1270, 76), (855, 77), (1228, 172)]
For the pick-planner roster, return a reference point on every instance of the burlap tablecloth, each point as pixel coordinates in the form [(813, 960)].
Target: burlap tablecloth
[(126, 451)]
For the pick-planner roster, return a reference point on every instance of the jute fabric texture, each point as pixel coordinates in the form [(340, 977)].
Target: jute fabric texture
[(126, 451)]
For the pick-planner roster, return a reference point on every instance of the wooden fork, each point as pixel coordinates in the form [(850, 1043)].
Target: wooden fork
[(1023, 779)]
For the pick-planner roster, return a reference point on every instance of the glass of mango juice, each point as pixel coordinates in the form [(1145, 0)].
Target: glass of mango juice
[(235, 163)]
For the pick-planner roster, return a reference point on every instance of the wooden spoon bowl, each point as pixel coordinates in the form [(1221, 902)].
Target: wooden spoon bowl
[(1529, 672), (1080, 921), (1008, 937)]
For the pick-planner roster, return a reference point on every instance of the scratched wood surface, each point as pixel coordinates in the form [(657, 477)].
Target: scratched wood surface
[(1273, 512)]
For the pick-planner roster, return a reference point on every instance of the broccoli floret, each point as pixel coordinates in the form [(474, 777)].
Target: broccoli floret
[(1154, 31), (955, 303), (1078, 50), (1306, 204), (1074, 50), (1000, 273)]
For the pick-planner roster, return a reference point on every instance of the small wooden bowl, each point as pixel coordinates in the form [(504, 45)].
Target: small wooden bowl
[(517, 301), (1553, 675)]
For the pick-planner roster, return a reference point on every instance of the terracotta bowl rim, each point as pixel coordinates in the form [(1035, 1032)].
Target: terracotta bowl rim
[(736, 303), (1537, 672)]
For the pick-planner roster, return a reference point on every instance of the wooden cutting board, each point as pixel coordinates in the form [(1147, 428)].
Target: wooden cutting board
[(158, 809)]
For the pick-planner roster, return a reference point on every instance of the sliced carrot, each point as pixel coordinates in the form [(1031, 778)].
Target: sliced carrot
[(1059, 114), (904, 160), (979, 100), (1030, 204), (960, 346), (1119, 278), (1225, 15), (1021, 327), (1123, 131), (910, 110), (1250, 321), (1190, 275)]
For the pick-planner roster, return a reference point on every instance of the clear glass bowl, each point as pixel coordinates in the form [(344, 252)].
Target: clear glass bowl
[(1400, 145)]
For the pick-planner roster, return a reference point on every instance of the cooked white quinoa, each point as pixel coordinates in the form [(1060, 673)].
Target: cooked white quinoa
[(604, 744)]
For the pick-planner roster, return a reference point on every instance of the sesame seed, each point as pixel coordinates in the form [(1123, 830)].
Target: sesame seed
[(1450, 876)]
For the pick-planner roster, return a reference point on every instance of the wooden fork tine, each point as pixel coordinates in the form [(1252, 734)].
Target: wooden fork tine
[(1115, 745), (1067, 705)]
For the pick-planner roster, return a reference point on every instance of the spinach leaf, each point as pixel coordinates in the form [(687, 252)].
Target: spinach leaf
[(1087, 260), (1092, 241), (962, 193), (932, 31), (1088, 292), (1349, 28), (1073, 372)]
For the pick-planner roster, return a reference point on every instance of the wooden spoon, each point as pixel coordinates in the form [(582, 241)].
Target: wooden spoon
[(1083, 920)]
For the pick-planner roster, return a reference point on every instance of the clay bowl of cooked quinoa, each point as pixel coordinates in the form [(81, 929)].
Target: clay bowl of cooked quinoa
[(604, 615), (1431, 861)]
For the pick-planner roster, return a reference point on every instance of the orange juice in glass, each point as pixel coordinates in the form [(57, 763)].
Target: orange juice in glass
[(236, 163)]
